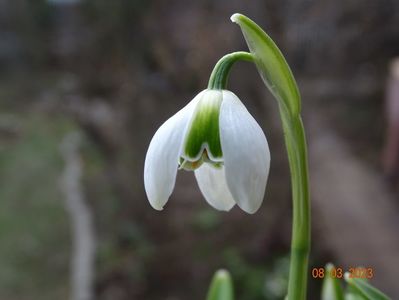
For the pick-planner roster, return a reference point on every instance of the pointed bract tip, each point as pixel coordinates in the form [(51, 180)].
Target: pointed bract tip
[(222, 274), (234, 18), (329, 266), (347, 276)]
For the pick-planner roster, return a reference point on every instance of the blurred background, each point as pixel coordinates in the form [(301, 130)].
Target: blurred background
[(85, 84)]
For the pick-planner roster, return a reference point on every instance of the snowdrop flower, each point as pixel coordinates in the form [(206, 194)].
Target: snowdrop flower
[(215, 136)]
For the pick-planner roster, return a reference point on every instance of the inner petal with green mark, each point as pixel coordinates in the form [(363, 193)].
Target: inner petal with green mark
[(202, 140)]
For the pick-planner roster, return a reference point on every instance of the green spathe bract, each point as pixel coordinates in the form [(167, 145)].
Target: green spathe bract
[(271, 64), (203, 131)]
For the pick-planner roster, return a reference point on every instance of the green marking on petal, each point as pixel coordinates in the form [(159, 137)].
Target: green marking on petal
[(203, 132), (190, 165)]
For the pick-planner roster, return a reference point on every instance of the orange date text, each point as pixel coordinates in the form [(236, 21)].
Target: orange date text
[(338, 272)]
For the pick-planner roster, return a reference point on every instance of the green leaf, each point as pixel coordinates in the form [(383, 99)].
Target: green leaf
[(352, 294), (221, 287), (271, 64), (361, 287), (332, 289)]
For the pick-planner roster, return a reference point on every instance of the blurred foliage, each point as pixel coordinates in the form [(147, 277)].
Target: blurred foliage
[(34, 231), (257, 281), (206, 220)]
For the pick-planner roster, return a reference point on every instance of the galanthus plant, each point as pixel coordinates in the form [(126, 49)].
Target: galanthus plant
[(215, 136)]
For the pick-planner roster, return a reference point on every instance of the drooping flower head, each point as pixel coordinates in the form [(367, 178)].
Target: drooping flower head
[(215, 136)]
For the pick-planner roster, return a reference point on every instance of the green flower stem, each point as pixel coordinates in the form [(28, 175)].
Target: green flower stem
[(300, 242), (278, 78), (221, 71)]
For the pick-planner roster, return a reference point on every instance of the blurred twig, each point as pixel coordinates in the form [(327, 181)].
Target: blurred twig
[(83, 237)]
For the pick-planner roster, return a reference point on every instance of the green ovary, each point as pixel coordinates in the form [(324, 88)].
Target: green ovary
[(202, 141)]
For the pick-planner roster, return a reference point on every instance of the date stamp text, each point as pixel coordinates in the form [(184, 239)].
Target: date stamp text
[(338, 272)]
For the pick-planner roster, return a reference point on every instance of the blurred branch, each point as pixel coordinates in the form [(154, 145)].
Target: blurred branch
[(83, 238), (390, 156)]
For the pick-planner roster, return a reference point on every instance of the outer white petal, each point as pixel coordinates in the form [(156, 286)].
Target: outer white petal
[(213, 186), (161, 162), (246, 153)]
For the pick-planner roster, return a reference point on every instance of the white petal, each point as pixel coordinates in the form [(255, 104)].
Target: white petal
[(246, 153), (161, 162), (213, 186)]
